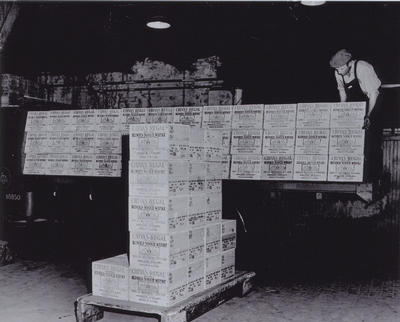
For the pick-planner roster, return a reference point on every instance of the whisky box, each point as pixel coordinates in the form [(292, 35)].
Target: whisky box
[(345, 168), (197, 210), (36, 121), (213, 145), (160, 215), (213, 170), (189, 115), (247, 116), (310, 167), (59, 120), (83, 142), (226, 165), (312, 141), (59, 142), (226, 141), (35, 164), (110, 277), (158, 141), (132, 116), (107, 165), (82, 164), (196, 151), (84, 120), (213, 207), (217, 117), (158, 178), (213, 270), (227, 264), (246, 167), (280, 116), (58, 164), (196, 277), (213, 186), (197, 174), (346, 141), (158, 250), (197, 242), (213, 239), (158, 287), (108, 119), (313, 115), (348, 115), (278, 141), (37, 142), (107, 142), (246, 141), (228, 233), (160, 115), (277, 167)]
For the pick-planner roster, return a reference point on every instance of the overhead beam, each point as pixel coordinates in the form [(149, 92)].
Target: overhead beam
[(8, 14)]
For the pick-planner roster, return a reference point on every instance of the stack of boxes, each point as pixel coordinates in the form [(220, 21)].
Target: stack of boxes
[(179, 244)]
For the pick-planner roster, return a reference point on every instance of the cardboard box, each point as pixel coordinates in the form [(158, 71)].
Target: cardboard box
[(213, 145), (213, 186), (345, 168), (84, 120), (313, 115), (189, 115), (280, 116), (160, 115), (82, 164), (348, 115), (158, 141), (277, 167), (226, 166), (247, 116), (246, 167), (226, 141), (59, 142), (279, 141), (58, 164), (158, 287), (213, 170), (158, 251), (310, 167), (83, 142), (197, 210), (107, 165), (312, 141), (196, 277), (36, 121), (217, 117), (228, 233), (108, 119), (197, 242), (158, 178), (227, 265), (37, 142), (59, 120), (246, 141), (108, 142), (110, 277), (35, 164), (213, 208), (198, 170), (213, 239), (134, 116), (213, 271), (196, 144), (346, 141), (162, 215)]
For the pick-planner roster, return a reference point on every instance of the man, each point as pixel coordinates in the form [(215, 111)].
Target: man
[(357, 81)]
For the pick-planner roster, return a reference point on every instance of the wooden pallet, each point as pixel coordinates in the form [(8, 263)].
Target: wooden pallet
[(89, 308)]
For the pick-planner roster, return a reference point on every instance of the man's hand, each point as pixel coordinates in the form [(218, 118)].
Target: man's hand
[(367, 123)]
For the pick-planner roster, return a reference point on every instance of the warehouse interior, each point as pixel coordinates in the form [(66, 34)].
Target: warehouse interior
[(332, 247)]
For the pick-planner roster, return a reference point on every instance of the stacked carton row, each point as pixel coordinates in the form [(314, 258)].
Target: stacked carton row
[(179, 245)]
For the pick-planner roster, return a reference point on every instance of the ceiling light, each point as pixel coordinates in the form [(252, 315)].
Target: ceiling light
[(158, 23), (312, 3)]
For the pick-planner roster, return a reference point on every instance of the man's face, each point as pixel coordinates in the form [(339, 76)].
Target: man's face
[(343, 70)]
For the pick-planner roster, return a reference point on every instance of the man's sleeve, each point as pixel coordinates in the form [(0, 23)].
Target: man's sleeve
[(369, 81)]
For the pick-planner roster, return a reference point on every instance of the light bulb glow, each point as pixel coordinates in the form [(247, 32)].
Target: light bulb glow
[(158, 24)]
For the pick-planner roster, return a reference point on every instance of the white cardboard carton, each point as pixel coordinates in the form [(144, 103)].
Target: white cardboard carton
[(280, 116), (226, 166), (36, 121), (213, 170), (110, 277), (59, 120), (35, 164), (196, 277), (312, 141), (247, 116), (213, 207), (189, 115), (277, 167), (59, 142), (278, 141), (158, 178), (345, 168), (246, 167), (160, 115), (82, 164), (213, 239), (37, 142), (347, 115), (217, 117), (213, 145), (227, 265), (228, 233), (158, 141), (197, 242), (107, 142), (83, 142), (313, 115), (158, 287), (58, 164), (158, 251), (226, 141), (246, 141), (196, 144), (346, 141), (162, 215), (197, 210), (108, 119), (84, 120), (134, 116), (310, 167), (213, 186), (213, 270)]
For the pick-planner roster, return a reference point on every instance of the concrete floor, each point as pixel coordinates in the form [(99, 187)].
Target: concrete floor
[(39, 291)]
